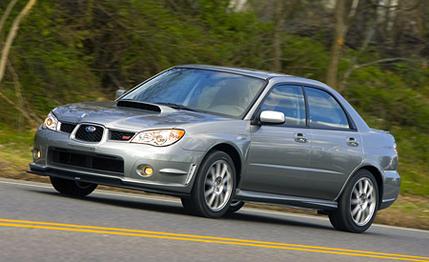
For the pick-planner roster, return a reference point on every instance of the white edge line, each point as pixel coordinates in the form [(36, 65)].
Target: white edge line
[(255, 210), (30, 184)]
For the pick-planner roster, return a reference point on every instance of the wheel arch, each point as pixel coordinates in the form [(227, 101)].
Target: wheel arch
[(233, 152), (378, 178)]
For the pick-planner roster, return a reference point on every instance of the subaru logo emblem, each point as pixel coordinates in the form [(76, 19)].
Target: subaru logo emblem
[(90, 129)]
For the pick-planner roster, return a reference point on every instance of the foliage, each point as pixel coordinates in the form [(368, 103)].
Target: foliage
[(69, 51)]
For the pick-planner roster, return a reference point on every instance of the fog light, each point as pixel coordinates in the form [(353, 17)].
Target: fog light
[(144, 170), (148, 171), (36, 153)]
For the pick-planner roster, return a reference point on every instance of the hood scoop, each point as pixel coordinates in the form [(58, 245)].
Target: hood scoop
[(139, 105)]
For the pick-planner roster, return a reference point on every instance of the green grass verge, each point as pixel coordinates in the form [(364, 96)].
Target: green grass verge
[(15, 151)]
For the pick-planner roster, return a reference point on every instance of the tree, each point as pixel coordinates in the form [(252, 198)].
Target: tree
[(11, 36), (337, 44), (5, 54), (7, 13), (277, 38)]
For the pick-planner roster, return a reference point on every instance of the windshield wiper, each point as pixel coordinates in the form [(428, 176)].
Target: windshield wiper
[(176, 106)]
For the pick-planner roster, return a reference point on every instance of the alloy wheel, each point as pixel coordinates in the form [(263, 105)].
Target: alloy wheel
[(363, 201), (218, 185)]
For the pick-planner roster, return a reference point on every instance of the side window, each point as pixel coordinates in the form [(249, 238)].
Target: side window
[(324, 110), (290, 101)]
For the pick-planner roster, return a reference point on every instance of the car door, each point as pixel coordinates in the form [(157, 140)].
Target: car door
[(279, 154), (335, 146)]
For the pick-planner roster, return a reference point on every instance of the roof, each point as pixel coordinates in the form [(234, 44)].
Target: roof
[(244, 71), (266, 75)]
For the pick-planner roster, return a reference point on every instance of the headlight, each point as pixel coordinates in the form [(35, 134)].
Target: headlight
[(161, 137), (51, 122)]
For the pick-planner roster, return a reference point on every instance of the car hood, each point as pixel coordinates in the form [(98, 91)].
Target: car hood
[(125, 118)]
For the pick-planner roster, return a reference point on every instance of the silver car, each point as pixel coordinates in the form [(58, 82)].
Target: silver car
[(219, 136)]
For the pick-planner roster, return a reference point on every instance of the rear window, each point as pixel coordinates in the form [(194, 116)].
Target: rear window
[(324, 110)]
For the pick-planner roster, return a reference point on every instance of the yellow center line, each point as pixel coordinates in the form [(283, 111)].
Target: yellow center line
[(204, 239)]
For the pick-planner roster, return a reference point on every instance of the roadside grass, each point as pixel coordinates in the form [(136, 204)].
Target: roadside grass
[(15, 151), (413, 152), (410, 210)]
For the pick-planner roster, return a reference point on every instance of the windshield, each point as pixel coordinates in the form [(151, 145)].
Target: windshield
[(200, 90)]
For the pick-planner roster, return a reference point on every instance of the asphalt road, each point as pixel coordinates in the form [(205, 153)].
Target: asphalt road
[(37, 224)]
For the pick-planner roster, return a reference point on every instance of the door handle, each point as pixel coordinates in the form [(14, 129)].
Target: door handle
[(300, 138), (351, 141)]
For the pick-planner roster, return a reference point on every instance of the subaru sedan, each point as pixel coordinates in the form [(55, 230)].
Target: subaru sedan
[(217, 137)]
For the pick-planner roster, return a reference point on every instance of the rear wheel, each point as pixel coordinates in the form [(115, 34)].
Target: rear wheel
[(214, 186), (357, 205), (71, 187)]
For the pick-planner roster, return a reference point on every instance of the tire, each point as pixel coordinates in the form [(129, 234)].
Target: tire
[(187, 204), (213, 183), (357, 197), (71, 187), (235, 206)]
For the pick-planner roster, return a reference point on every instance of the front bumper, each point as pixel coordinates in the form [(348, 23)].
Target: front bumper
[(174, 167), (107, 180)]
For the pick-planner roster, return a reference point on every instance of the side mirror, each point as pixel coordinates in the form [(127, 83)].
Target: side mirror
[(272, 117), (120, 92)]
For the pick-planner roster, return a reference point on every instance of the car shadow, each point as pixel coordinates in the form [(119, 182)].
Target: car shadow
[(262, 218), (140, 203), (149, 204)]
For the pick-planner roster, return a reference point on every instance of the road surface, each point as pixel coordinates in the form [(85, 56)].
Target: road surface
[(37, 224)]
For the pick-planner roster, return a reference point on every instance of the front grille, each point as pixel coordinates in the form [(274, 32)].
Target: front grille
[(84, 160), (121, 135), (90, 133), (67, 127)]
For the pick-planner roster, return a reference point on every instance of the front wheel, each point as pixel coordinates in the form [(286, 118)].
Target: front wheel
[(357, 205), (235, 206), (71, 187), (214, 186)]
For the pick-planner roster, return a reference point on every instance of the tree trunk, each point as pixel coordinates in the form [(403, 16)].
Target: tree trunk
[(338, 43), (7, 13), (277, 38), (11, 36)]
